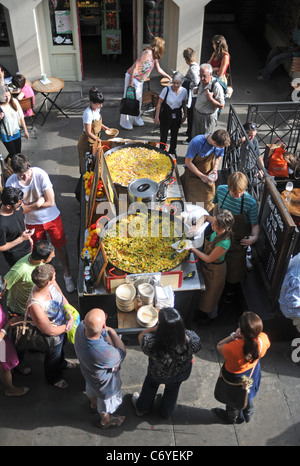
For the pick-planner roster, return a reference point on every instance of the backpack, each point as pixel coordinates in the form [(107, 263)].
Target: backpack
[(223, 85)]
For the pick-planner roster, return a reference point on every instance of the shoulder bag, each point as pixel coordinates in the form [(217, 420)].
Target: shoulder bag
[(232, 394), (26, 336), (165, 112), (129, 104), (229, 91)]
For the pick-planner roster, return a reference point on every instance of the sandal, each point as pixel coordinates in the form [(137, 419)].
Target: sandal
[(92, 410), (24, 391), (23, 370), (70, 365), (115, 421), (61, 384)]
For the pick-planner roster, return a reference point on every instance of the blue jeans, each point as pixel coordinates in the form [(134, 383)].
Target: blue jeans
[(256, 377), (172, 385), (275, 59), (54, 362)]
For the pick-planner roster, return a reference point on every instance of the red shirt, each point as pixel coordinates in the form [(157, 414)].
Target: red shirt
[(234, 357)]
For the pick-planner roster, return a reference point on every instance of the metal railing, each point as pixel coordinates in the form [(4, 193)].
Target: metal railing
[(274, 120)]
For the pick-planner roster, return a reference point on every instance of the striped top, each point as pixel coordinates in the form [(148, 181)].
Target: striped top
[(250, 209)]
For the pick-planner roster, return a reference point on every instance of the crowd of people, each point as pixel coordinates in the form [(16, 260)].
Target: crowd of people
[(29, 216)]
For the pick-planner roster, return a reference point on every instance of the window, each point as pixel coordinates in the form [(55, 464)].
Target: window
[(61, 22)]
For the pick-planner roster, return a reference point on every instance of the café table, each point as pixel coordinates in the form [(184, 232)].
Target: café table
[(55, 85), (291, 201)]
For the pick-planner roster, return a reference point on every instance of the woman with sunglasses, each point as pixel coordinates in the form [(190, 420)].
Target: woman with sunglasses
[(11, 118), (48, 308), (220, 58)]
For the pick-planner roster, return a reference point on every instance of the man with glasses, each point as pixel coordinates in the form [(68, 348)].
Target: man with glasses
[(41, 212), (15, 238), (210, 99)]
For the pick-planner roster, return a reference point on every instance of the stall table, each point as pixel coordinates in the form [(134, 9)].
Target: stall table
[(186, 285)]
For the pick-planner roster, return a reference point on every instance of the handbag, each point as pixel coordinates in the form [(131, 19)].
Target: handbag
[(26, 336), (277, 165), (165, 112), (269, 150), (234, 395), (229, 91), (129, 104)]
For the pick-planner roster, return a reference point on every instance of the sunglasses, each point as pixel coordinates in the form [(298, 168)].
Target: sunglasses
[(252, 127)]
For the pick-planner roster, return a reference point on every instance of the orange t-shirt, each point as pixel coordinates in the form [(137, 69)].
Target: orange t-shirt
[(234, 357)]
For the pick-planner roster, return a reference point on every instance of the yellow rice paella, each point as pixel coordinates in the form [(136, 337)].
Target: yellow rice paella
[(131, 163), (141, 243)]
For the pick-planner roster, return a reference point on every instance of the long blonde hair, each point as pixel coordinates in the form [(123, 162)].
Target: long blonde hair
[(158, 47)]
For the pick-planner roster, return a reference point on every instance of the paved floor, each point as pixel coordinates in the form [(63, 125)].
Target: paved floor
[(48, 417)]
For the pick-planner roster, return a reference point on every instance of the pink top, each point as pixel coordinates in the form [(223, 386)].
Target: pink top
[(144, 69), (28, 92), (8, 355)]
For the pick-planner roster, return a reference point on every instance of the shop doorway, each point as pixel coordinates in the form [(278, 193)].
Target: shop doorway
[(106, 34)]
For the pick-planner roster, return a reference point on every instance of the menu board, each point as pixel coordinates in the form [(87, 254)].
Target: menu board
[(277, 238), (93, 192), (99, 265)]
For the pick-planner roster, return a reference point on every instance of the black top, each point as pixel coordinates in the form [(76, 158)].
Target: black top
[(11, 227)]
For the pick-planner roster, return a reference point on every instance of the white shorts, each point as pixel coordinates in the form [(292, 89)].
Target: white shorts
[(108, 405)]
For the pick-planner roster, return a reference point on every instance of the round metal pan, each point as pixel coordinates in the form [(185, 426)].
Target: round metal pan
[(144, 146), (160, 215)]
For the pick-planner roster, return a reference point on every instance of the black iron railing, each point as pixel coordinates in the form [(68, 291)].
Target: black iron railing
[(275, 121)]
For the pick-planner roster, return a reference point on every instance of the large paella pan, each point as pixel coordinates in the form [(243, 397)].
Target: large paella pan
[(142, 242), (133, 161)]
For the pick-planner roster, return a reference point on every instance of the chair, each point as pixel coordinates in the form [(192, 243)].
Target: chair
[(27, 104), (150, 99)]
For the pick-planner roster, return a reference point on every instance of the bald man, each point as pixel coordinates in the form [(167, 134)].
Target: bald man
[(100, 352)]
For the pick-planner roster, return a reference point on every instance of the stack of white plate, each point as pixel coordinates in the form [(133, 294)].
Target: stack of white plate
[(125, 296), (147, 316), (146, 292)]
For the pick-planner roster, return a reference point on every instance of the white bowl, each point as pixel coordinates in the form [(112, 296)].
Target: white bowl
[(182, 245), (125, 293), (112, 132), (146, 292), (147, 316)]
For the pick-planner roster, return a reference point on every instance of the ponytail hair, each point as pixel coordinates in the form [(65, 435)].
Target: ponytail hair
[(251, 326), (224, 220)]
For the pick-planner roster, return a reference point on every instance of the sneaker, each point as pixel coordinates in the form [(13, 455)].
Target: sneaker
[(70, 287), (134, 399)]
